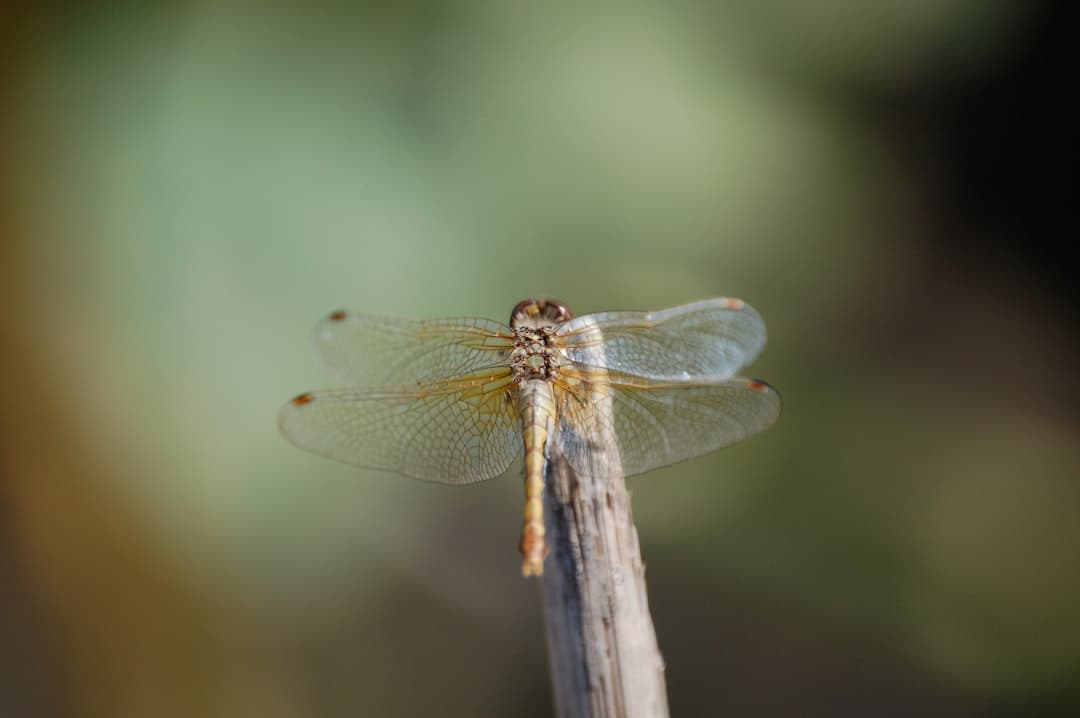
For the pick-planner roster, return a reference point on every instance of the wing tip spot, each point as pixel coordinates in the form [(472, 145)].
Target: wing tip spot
[(337, 315), (757, 385), (733, 303), (302, 399)]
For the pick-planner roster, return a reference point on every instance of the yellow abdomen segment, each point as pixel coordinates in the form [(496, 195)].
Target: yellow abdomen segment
[(537, 422)]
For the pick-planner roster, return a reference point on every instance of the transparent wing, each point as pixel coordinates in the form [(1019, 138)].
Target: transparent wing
[(709, 339), (454, 431), (370, 350), (659, 423)]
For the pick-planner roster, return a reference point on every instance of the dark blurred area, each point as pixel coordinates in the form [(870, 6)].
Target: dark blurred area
[(186, 188), (998, 140)]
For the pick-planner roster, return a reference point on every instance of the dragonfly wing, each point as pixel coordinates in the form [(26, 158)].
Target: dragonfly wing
[(454, 431), (709, 339), (660, 423), (369, 350)]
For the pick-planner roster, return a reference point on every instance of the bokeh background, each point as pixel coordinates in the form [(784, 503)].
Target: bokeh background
[(185, 188)]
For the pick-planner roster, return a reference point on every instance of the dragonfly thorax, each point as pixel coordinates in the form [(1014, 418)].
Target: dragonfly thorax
[(533, 356), (534, 322)]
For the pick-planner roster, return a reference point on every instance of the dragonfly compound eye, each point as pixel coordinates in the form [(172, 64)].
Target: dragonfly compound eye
[(534, 311)]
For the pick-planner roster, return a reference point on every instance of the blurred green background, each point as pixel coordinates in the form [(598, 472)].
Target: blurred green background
[(187, 187)]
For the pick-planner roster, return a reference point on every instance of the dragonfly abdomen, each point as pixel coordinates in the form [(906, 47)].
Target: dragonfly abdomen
[(537, 406)]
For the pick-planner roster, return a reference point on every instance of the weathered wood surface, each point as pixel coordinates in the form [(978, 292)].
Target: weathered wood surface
[(605, 661)]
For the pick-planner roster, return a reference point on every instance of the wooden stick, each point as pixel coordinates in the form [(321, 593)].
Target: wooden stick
[(605, 661)]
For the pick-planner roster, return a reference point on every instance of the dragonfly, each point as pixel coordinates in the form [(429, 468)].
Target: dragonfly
[(456, 401)]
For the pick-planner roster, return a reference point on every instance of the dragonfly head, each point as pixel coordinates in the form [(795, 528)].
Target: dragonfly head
[(539, 312)]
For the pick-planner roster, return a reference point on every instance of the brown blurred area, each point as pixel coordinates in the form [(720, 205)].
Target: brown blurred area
[(87, 611), (185, 189)]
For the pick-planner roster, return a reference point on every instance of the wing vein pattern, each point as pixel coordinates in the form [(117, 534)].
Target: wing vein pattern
[(711, 340), (371, 350), (662, 423), (455, 431)]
